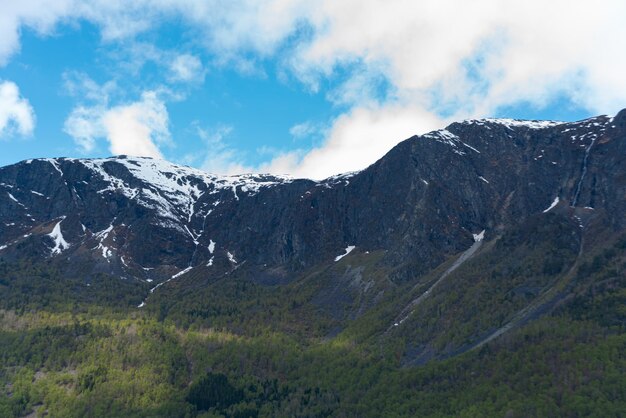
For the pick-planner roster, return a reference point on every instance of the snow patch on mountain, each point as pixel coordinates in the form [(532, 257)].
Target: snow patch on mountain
[(60, 244), (13, 198), (54, 163), (514, 123), (348, 250), (173, 190), (177, 275), (101, 237), (552, 205), (446, 137), (338, 179), (180, 273)]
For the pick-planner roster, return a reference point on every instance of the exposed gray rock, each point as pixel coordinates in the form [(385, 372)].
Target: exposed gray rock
[(420, 203)]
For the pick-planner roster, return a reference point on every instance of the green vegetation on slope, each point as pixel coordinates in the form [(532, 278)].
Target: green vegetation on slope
[(240, 349)]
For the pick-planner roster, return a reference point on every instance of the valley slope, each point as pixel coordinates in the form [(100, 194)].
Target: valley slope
[(474, 245)]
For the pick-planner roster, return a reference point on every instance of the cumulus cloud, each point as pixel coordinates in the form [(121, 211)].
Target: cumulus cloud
[(355, 140), (486, 53), (39, 15), (138, 128), (16, 113), (229, 26), (458, 59), (491, 52), (435, 58)]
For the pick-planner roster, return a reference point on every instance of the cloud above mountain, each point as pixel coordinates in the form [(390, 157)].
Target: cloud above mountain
[(16, 114), (405, 67)]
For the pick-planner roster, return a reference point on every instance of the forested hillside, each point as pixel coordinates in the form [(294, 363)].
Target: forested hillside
[(479, 270)]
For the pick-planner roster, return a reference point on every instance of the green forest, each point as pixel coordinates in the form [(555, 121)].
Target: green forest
[(233, 348)]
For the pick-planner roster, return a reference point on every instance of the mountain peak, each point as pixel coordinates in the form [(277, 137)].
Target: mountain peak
[(422, 202), (513, 123)]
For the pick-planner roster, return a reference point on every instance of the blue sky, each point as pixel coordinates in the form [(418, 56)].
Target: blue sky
[(290, 86)]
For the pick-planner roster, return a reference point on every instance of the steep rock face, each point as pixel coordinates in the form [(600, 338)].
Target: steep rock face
[(422, 202), (132, 215)]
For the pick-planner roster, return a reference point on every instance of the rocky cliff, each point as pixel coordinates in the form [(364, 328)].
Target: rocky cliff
[(427, 201)]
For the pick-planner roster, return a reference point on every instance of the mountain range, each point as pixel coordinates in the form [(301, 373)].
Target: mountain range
[(452, 242)]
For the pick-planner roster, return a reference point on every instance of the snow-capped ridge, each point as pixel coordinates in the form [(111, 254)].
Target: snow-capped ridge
[(171, 189), (446, 137), (338, 179), (513, 123)]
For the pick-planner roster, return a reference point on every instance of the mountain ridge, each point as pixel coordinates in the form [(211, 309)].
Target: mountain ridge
[(182, 198), (477, 270)]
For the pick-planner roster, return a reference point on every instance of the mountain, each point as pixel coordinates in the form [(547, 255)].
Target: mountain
[(423, 200), (448, 244)]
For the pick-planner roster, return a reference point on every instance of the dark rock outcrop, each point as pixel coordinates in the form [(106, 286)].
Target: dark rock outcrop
[(420, 203)]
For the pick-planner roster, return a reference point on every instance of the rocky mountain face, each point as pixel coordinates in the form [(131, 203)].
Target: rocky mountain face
[(423, 204)]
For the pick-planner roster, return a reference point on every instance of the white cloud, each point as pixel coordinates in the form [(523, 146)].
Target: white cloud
[(452, 57), (16, 113), (80, 86), (39, 15), (303, 129), (465, 59), (528, 50), (84, 125), (186, 68), (9, 36), (226, 26), (355, 140), (138, 128)]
